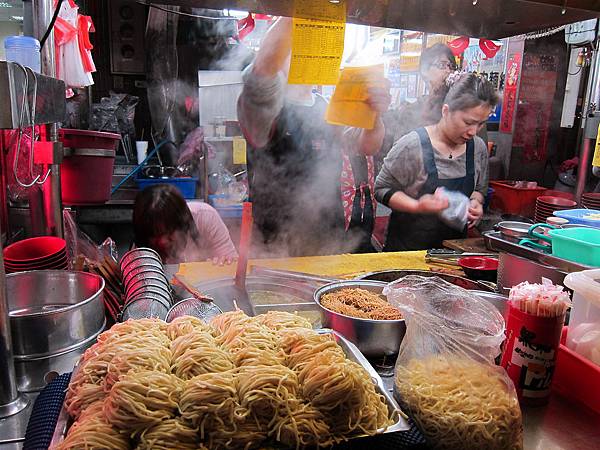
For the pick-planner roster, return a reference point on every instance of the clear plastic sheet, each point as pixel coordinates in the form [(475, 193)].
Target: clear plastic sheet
[(446, 377), (80, 244)]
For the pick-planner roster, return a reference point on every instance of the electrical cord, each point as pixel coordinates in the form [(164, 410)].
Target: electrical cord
[(51, 25)]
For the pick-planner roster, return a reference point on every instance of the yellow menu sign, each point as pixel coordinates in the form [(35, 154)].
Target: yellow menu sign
[(348, 104), (239, 150), (317, 42), (596, 160)]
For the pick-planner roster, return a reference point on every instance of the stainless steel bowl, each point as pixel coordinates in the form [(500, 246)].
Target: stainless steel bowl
[(137, 253), (148, 280), (52, 313), (372, 337), (392, 275), (515, 230), (155, 290), (143, 271)]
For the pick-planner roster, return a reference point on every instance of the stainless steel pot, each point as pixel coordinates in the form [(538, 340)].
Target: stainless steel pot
[(372, 337), (392, 275), (52, 313), (35, 371)]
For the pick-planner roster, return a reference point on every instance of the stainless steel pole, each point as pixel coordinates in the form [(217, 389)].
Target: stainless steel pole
[(10, 401), (42, 16)]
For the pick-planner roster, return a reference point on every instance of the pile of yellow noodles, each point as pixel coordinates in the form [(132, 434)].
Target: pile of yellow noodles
[(460, 403), (235, 383), (355, 302)]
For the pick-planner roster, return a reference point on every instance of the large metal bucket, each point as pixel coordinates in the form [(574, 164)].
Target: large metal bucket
[(54, 316)]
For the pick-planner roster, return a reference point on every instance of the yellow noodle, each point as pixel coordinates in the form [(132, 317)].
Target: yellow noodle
[(186, 324), (169, 434), (196, 339), (222, 322), (144, 357), (301, 346), (141, 399), (461, 403), (280, 320), (241, 434), (154, 326), (267, 392), (209, 400), (344, 393), (305, 427), (201, 360), (92, 432)]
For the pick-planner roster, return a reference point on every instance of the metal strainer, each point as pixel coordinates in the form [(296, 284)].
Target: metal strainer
[(193, 307), (144, 308)]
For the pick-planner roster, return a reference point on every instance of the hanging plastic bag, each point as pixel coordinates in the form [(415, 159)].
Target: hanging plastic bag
[(456, 214), (445, 373), (81, 246)]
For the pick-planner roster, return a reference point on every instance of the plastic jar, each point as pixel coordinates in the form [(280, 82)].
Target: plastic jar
[(24, 50)]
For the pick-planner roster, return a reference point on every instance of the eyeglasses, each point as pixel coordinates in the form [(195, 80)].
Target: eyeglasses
[(443, 65)]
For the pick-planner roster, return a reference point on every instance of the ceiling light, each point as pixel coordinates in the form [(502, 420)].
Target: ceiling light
[(19, 18), (5, 5)]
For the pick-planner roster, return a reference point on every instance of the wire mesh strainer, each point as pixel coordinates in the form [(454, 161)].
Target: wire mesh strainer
[(144, 308), (193, 307)]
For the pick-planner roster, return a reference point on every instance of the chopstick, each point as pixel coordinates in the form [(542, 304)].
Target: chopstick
[(181, 281), (245, 236)]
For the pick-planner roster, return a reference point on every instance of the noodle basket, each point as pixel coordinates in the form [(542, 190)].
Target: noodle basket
[(372, 337)]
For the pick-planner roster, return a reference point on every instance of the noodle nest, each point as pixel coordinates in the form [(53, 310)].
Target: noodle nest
[(236, 383), (461, 403)]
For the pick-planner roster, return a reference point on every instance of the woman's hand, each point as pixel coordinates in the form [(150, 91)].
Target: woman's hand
[(222, 260), (432, 203), (475, 212)]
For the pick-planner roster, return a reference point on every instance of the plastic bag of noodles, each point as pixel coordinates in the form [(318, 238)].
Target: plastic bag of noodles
[(445, 373)]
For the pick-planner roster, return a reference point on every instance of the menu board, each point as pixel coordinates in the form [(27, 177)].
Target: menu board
[(317, 42)]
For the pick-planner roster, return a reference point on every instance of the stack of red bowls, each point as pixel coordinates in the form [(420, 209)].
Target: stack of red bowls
[(547, 204), (38, 253), (591, 200)]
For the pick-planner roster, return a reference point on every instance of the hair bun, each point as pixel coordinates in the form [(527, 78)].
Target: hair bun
[(453, 78)]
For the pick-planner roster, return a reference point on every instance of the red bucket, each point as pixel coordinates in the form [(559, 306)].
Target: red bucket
[(34, 251), (87, 169)]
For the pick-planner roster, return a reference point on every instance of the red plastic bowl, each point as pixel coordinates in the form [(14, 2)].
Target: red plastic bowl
[(555, 201), (479, 267), (34, 250)]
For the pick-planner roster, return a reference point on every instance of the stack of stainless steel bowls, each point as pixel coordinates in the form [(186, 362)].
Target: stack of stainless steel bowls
[(147, 288)]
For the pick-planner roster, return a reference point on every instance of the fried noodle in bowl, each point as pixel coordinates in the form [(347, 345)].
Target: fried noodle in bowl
[(360, 303)]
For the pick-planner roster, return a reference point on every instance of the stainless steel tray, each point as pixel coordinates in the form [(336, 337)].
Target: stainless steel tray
[(495, 241), (352, 353)]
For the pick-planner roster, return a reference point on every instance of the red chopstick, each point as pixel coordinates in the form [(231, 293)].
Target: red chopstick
[(245, 236)]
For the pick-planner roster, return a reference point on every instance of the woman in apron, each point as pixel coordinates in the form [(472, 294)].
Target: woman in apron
[(447, 154)]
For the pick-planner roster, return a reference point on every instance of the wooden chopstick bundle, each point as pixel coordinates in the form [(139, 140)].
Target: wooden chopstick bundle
[(543, 300)]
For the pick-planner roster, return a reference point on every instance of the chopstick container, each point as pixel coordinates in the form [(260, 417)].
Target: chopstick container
[(530, 351), (584, 322)]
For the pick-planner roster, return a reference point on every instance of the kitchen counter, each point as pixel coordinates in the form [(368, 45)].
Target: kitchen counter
[(561, 424)]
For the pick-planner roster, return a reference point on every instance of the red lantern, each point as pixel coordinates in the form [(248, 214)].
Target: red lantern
[(488, 48), (459, 45)]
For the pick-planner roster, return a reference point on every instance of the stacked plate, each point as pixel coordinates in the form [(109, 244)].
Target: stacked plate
[(147, 288), (591, 200), (38, 253), (547, 204)]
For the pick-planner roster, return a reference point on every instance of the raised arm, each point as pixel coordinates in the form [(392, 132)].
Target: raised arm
[(262, 97)]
